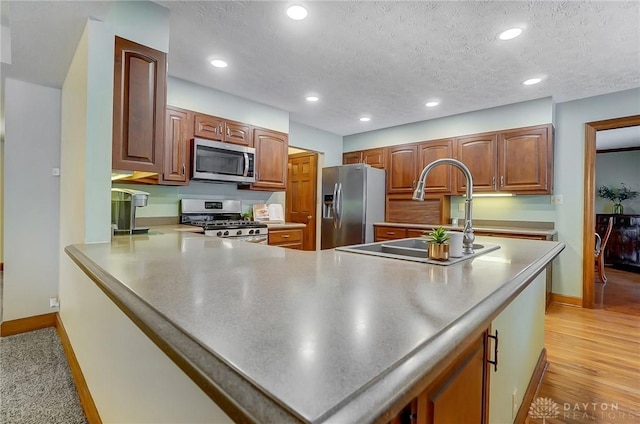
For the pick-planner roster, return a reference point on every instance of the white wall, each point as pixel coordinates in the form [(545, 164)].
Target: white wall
[(521, 340), (534, 112), (198, 98), (614, 168), (31, 198), (569, 177), (309, 138)]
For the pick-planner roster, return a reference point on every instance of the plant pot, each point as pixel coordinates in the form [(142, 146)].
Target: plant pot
[(617, 208), (438, 252)]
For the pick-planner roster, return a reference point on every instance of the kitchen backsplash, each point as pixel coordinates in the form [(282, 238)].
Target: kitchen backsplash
[(517, 208), (163, 200)]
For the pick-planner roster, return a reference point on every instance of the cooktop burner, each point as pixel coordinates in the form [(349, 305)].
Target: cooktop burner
[(227, 224)]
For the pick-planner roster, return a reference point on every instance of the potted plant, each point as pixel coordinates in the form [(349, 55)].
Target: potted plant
[(617, 196), (438, 248)]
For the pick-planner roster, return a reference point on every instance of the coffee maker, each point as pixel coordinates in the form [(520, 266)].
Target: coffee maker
[(124, 202)]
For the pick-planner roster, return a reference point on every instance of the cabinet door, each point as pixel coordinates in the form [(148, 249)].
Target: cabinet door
[(374, 157), (479, 154), (139, 100), (238, 133), (525, 160), (401, 168), (271, 160), (178, 133), (439, 178), (460, 395), (351, 157), (210, 127)]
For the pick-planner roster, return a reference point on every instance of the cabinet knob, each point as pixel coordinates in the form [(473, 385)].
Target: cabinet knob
[(309, 217)]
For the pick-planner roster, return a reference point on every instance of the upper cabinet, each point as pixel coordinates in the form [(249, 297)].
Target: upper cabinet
[(525, 160), (220, 129), (479, 154), (178, 134), (439, 179), (271, 160), (402, 168), (139, 101), (515, 161), (374, 157)]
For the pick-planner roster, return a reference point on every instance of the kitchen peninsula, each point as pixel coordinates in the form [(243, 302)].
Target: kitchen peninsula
[(278, 335)]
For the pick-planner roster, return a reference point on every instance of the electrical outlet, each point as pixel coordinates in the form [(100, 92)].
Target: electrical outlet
[(557, 199), (460, 207), (53, 302), (514, 402)]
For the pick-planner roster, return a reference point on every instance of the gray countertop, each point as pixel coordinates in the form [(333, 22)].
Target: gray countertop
[(282, 335)]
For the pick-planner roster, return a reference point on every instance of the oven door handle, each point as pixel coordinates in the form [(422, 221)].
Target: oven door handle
[(246, 164)]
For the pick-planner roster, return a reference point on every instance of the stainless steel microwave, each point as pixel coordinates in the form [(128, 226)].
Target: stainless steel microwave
[(217, 161)]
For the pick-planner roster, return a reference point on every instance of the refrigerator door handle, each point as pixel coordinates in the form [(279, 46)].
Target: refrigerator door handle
[(334, 206), (339, 207)]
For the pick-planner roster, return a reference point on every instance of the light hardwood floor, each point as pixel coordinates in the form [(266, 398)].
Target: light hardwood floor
[(594, 357)]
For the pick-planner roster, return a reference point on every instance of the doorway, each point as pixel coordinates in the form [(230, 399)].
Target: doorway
[(588, 239), (301, 195)]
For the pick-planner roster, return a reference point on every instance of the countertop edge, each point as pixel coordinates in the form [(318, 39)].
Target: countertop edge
[(419, 368), (220, 382)]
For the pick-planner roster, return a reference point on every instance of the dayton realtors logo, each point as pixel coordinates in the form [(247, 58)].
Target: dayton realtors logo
[(545, 408)]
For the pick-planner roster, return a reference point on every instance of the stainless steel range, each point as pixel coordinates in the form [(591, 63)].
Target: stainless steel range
[(222, 218)]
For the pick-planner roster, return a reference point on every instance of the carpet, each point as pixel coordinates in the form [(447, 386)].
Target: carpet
[(36, 386)]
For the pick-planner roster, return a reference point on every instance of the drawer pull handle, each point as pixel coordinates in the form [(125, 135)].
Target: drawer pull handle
[(391, 233), (286, 236), (495, 351)]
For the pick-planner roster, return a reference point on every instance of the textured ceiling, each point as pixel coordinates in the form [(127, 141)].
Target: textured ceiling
[(381, 59)]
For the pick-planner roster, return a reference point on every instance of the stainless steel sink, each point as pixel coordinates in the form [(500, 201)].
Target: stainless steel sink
[(412, 249)]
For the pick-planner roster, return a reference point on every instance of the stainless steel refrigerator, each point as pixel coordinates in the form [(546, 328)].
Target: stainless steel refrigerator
[(353, 199)]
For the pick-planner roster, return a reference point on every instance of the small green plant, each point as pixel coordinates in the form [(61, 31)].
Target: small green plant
[(437, 235), (617, 195)]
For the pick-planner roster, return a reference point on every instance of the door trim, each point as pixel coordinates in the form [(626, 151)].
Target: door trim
[(588, 242)]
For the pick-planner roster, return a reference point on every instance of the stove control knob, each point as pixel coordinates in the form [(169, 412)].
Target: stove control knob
[(219, 233), (239, 232), (226, 233), (250, 231), (257, 232)]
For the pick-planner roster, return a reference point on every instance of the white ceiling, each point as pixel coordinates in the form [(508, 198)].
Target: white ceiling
[(381, 59)]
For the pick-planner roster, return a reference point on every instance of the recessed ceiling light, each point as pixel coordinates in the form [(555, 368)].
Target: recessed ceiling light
[(432, 104), (365, 119), (312, 98), (510, 34), (532, 81), (219, 63), (297, 12)]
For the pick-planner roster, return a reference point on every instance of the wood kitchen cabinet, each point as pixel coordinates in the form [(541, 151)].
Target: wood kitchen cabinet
[(219, 129), (439, 178), (515, 161), (480, 154), (374, 157), (525, 160), (178, 134), (271, 160), (139, 100), (382, 233), (460, 394), (289, 238), (402, 168)]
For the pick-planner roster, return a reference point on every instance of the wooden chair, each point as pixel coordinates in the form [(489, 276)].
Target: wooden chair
[(601, 245)]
